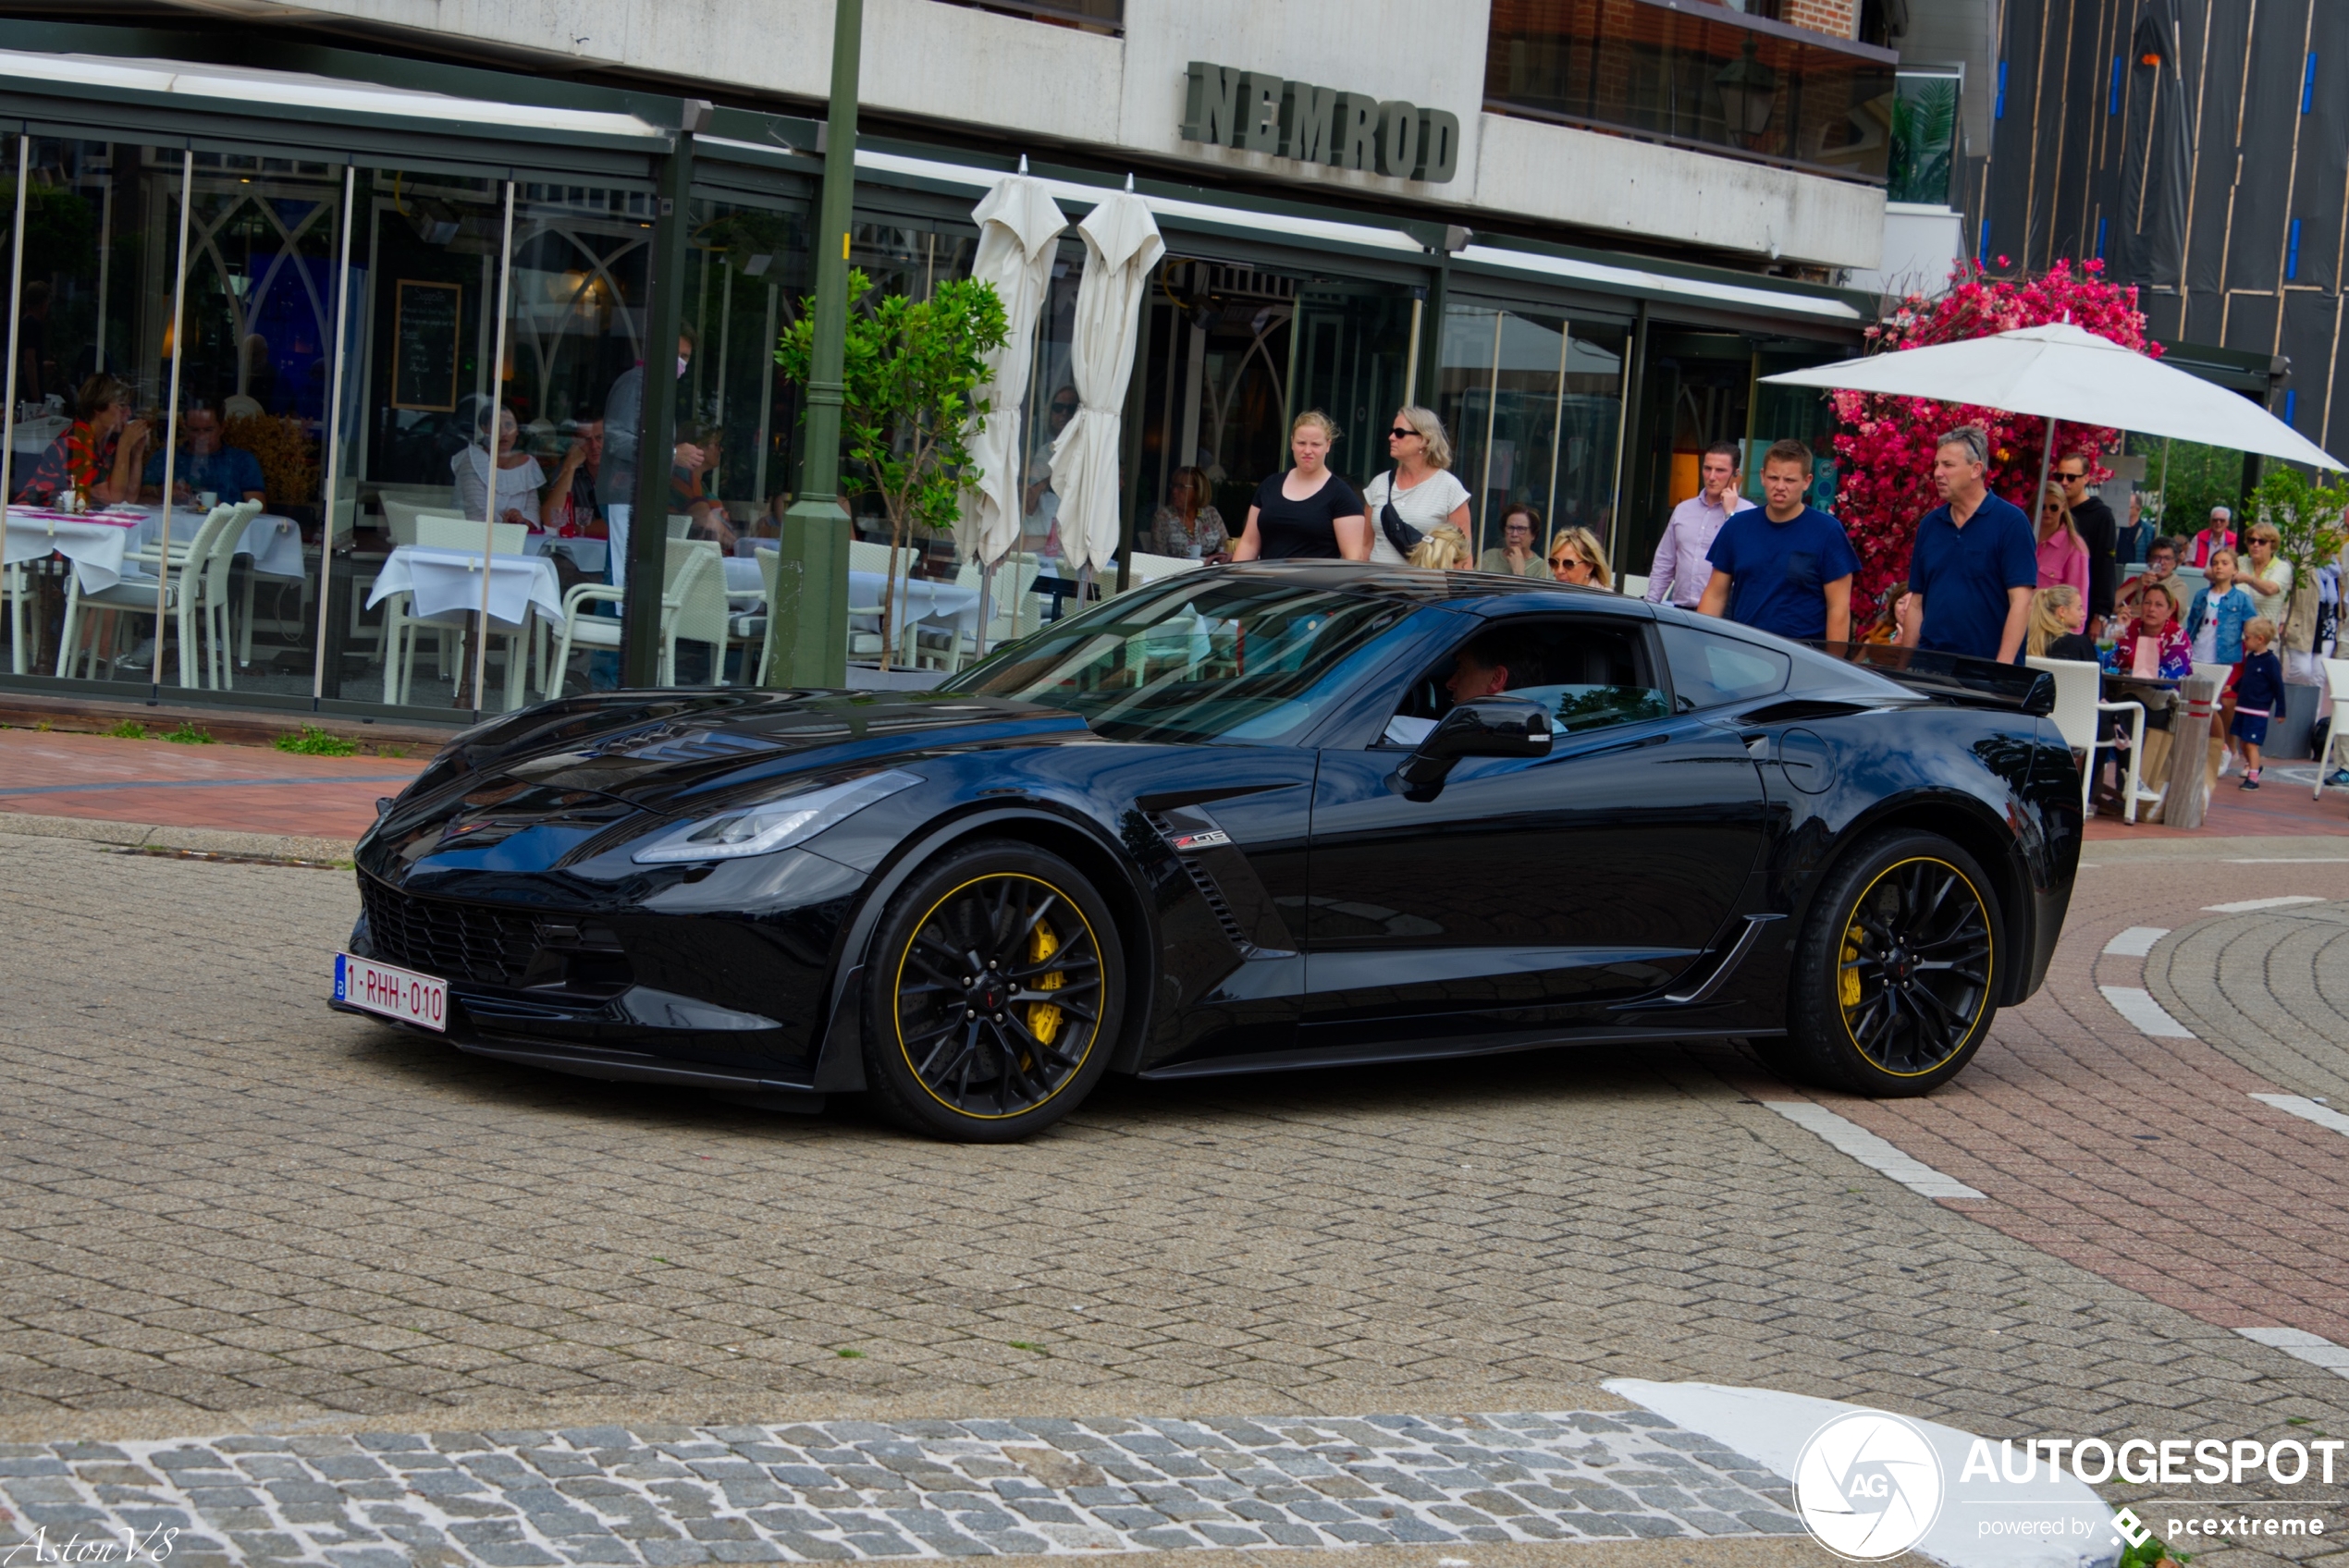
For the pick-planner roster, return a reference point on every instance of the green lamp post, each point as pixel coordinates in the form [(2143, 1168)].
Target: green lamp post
[(811, 601)]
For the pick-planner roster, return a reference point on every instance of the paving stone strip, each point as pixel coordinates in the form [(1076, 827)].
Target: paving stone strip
[(852, 1490)]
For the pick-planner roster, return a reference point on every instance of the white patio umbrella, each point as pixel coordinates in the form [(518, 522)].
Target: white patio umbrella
[(1122, 244), (1018, 222), (2062, 372)]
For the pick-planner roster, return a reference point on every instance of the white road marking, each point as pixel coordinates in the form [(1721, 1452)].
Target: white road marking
[(2135, 942), (1870, 1150), (2294, 860), (2307, 1109), (2247, 905), (2314, 1349), (2136, 1004)]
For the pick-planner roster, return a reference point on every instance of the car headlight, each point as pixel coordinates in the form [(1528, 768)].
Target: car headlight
[(772, 825)]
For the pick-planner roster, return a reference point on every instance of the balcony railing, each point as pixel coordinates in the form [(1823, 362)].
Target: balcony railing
[(1086, 15), (1697, 75)]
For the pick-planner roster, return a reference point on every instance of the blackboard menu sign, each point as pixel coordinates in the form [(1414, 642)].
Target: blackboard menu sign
[(423, 361)]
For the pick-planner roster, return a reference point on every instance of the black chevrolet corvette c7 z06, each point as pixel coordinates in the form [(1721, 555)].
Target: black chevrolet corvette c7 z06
[(1258, 817)]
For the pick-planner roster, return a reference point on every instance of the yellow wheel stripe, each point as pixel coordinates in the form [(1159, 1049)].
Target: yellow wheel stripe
[(1989, 971)]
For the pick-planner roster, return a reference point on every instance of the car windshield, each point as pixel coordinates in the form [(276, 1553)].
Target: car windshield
[(1226, 659)]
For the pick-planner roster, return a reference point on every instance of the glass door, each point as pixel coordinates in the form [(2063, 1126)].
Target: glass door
[(1349, 348), (1530, 401)]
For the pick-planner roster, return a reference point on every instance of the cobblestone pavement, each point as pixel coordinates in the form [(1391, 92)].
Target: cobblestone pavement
[(858, 1490), (2146, 1160), (2271, 989), (232, 1212)]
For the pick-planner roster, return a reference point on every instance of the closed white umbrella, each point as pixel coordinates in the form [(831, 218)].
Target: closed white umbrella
[(1122, 244), (2062, 372), (1018, 222)]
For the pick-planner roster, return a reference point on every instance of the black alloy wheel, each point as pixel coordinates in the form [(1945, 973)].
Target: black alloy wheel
[(995, 988), (1895, 980)]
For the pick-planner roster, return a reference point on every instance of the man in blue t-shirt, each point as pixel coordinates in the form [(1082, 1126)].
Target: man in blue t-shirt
[(1783, 566), (1975, 562), (231, 473)]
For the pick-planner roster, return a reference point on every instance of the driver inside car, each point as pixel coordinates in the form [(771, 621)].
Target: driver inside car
[(1479, 670)]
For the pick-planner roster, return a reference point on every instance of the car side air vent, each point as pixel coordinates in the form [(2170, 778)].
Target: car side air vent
[(1180, 840), (1799, 709)]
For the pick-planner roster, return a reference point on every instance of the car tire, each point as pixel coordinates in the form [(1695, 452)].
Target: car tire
[(992, 1053), (1896, 975)]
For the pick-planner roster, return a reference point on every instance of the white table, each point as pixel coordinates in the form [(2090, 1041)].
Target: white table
[(590, 555), (35, 436), (444, 586), (94, 544), (272, 543), (920, 600)]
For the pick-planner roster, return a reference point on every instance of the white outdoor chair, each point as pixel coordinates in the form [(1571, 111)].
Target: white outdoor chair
[(199, 585), (1144, 567), (16, 591), (584, 630), (697, 586), (2336, 741), (401, 509), (2076, 710), (1633, 584)]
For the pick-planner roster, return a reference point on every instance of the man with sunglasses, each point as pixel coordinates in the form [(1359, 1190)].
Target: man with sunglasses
[(2099, 530), (1683, 565)]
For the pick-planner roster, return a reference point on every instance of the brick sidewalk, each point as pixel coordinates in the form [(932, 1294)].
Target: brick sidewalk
[(2144, 1160), (246, 789)]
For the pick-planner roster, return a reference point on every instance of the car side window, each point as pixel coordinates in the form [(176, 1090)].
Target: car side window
[(1708, 670), (1589, 674)]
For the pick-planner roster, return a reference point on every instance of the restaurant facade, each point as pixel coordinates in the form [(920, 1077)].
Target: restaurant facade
[(1582, 241)]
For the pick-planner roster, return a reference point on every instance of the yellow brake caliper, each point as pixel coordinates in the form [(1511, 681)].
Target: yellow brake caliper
[(1044, 1018), (1848, 987)]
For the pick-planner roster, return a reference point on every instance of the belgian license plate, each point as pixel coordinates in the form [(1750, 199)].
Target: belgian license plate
[(396, 993)]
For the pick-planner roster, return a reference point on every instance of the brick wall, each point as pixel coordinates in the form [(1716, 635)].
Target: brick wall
[(1841, 17)]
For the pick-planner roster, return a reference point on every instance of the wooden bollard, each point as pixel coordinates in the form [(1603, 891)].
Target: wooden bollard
[(2189, 793)]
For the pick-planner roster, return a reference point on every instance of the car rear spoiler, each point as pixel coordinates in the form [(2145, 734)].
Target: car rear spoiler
[(1953, 678)]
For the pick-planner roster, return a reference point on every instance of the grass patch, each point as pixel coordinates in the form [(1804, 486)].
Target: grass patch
[(850, 1355), (129, 730), (313, 741), (1023, 1345), (2151, 1555), (188, 735)]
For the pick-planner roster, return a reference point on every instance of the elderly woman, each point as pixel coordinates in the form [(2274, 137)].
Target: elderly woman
[(2264, 576), (101, 453), (1187, 526), (1517, 555), (518, 477), (1421, 487), (1577, 557)]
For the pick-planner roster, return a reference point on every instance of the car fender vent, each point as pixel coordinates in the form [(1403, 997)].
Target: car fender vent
[(1185, 841)]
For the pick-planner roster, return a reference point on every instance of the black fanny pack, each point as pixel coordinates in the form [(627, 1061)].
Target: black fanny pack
[(1401, 534)]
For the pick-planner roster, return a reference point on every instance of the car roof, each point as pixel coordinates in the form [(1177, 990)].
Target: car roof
[(1484, 592)]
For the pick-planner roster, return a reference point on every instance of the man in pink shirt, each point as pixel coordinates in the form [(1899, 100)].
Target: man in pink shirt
[(1683, 564)]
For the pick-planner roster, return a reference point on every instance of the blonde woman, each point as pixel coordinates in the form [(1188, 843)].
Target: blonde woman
[(1421, 485), (1307, 512), (2053, 630), (2265, 578), (1442, 548), (1577, 557), (2063, 555)]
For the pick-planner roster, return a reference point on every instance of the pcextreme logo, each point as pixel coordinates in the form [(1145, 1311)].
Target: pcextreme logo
[(1868, 1485)]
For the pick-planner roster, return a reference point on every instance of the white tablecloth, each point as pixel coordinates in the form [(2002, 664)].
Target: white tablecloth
[(94, 544), (447, 585), (588, 555), (929, 603), (35, 436), (273, 543)]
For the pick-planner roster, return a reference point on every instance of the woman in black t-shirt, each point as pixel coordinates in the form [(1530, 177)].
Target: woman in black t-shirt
[(1307, 513)]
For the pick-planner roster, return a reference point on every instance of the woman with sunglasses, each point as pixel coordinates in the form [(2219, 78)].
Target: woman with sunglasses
[(1420, 487), (1577, 557), (2063, 555)]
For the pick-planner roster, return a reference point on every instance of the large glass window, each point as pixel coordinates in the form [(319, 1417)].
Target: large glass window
[(1533, 404), (1700, 75)]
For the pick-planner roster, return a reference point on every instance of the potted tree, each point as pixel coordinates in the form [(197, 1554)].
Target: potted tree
[(909, 406)]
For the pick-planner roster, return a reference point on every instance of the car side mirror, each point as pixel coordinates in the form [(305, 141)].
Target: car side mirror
[(1489, 726)]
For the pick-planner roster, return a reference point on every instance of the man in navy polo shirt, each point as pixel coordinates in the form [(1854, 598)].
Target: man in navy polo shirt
[(1975, 562), (1785, 566)]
